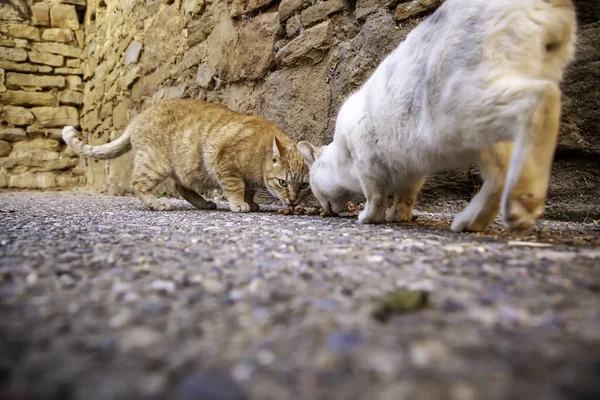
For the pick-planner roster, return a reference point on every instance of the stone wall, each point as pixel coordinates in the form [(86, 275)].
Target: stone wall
[(41, 90), (292, 61)]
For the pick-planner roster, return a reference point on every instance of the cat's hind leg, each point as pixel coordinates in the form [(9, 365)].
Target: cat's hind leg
[(405, 197), (376, 204), (195, 198), (147, 174), (532, 155), (249, 198), (484, 207)]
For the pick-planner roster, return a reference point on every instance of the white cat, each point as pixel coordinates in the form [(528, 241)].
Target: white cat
[(470, 82)]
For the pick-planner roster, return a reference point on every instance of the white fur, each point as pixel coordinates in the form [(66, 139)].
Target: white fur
[(470, 79)]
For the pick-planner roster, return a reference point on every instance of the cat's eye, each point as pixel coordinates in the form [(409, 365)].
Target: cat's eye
[(282, 183), (304, 186)]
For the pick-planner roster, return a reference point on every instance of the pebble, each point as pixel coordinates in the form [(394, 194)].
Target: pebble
[(242, 371), (237, 294), (385, 364), (256, 286), (342, 342), (121, 319), (31, 278), (213, 287), (67, 280), (463, 391), (455, 248), (265, 357), (374, 259), (527, 244), (140, 338), (151, 386), (427, 353), (163, 286), (211, 385), (195, 279)]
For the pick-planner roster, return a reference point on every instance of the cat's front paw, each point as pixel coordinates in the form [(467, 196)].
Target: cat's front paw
[(240, 207), (463, 223), (254, 207), (210, 205), (467, 221), (521, 213), (160, 205), (366, 216), (402, 214)]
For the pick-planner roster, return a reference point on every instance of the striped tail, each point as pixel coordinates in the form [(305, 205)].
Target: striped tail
[(104, 152)]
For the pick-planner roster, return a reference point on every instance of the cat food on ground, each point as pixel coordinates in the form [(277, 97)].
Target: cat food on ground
[(352, 208), (299, 210)]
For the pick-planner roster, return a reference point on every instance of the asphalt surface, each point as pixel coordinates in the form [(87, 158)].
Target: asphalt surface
[(102, 299)]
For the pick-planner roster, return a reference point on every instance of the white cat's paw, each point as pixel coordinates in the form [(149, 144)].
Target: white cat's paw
[(464, 222), (366, 217), (240, 207), (398, 215), (521, 214), (458, 224)]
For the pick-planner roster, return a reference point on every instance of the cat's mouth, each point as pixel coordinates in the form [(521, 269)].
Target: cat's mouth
[(283, 200), (287, 203)]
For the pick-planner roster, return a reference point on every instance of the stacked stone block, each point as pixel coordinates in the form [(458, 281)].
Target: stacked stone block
[(41, 90)]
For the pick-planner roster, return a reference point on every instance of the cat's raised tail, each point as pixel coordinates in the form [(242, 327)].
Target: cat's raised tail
[(104, 152)]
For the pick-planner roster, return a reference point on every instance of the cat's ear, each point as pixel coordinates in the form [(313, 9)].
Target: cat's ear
[(309, 152), (278, 149)]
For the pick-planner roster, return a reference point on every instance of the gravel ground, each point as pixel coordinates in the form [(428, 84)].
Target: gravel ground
[(101, 299)]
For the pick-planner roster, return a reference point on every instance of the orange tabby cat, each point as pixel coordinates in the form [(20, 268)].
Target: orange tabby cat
[(205, 146)]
